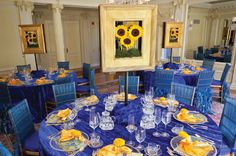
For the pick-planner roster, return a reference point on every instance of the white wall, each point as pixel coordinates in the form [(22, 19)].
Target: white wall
[(10, 48)]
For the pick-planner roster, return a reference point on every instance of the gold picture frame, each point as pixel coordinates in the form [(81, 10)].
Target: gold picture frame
[(142, 16), (32, 39), (173, 34)]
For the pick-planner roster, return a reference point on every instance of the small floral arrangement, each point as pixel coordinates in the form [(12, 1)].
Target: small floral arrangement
[(127, 35)]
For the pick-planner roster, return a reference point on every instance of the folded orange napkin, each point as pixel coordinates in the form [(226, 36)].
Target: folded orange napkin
[(62, 75), (186, 71), (67, 135), (121, 97), (15, 82), (42, 80), (186, 117), (63, 114)]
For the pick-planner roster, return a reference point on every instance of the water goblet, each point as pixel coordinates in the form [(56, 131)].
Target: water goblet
[(140, 135), (166, 119), (157, 121), (95, 141), (93, 119), (131, 128)]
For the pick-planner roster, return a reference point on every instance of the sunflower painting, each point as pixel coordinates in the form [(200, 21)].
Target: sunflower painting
[(128, 39)]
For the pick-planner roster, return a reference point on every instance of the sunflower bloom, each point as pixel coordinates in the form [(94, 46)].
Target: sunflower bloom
[(121, 31), (127, 42), (135, 32)]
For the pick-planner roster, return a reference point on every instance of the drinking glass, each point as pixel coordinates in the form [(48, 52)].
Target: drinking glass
[(122, 89), (157, 121), (166, 118), (151, 92), (152, 149), (140, 135), (86, 103), (171, 102), (131, 128), (93, 119), (92, 92)]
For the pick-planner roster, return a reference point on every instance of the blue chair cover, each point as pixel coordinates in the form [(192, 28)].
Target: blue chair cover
[(228, 123), (208, 63), (225, 72), (176, 59), (63, 64), (85, 89), (183, 93), (86, 70), (4, 151), (22, 123), (64, 93), (200, 49), (21, 68), (63, 80), (203, 96), (133, 83), (163, 80)]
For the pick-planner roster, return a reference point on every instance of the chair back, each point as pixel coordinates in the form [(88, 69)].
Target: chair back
[(200, 50), (21, 68), (91, 80), (21, 120), (163, 80), (64, 93), (64, 64), (228, 123), (208, 63), (63, 80), (176, 59), (205, 79), (225, 72), (5, 98), (183, 93), (133, 83), (86, 70)]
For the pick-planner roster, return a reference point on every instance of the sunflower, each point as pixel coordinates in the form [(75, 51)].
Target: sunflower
[(121, 31), (127, 41), (135, 32)]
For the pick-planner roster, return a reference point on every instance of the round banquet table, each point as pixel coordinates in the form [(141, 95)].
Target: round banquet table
[(121, 112), (36, 95)]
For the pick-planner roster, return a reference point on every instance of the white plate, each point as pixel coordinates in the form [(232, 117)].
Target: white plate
[(195, 113)]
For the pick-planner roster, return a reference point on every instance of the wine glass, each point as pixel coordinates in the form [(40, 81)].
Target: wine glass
[(140, 135), (166, 118), (151, 92), (92, 92), (171, 103), (93, 119), (157, 121), (131, 128)]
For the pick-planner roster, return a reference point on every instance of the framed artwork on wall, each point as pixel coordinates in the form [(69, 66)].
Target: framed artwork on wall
[(32, 39), (173, 34), (128, 37)]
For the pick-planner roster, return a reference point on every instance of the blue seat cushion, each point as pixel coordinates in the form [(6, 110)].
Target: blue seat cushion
[(82, 80), (32, 142), (82, 89), (216, 83)]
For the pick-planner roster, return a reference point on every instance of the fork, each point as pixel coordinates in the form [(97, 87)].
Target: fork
[(198, 126)]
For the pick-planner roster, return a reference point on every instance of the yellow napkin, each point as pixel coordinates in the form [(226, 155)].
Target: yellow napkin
[(62, 75), (121, 97), (42, 80), (186, 117), (63, 114), (193, 148), (167, 68), (198, 69), (92, 99), (186, 71), (67, 135), (15, 82)]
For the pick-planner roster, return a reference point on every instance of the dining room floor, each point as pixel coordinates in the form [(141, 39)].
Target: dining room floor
[(108, 83)]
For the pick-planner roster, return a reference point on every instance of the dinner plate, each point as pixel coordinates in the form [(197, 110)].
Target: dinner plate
[(175, 145), (134, 149), (196, 114), (70, 145), (52, 118)]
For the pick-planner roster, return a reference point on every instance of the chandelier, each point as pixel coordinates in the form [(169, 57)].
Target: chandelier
[(127, 1)]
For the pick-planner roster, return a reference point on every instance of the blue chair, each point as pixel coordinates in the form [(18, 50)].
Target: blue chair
[(23, 126), (163, 80), (85, 89), (183, 93), (200, 50), (63, 64), (21, 68), (228, 126), (176, 59), (133, 83), (63, 80), (208, 63), (86, 75), (5, 101), (220, 83), (4, 151), (203, 95)]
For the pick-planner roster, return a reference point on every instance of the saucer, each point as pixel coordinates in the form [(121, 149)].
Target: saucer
[(97, 145), (149, 154)]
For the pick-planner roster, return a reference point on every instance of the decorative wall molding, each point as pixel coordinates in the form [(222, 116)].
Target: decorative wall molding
[(25, 5)]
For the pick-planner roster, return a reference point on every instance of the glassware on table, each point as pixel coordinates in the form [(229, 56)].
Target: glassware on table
[(140, 135), (158, 116), (152, 149), (106, 121), (92, 92), (95, 141), (93, 119), (151, 92), (166, 119), (171, 103), (131, 128), (177, 128), (86, 103)]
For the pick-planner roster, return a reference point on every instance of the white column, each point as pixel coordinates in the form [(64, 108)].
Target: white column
[(59, 39), (25, 14)]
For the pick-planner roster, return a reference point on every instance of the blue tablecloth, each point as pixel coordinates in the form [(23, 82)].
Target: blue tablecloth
[(121, 112), (36, 95)]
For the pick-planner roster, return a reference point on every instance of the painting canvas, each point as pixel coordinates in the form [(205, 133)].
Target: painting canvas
[(32, 39), (128, 37), (173, 34)]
